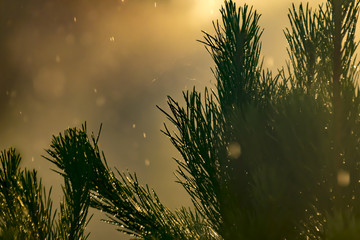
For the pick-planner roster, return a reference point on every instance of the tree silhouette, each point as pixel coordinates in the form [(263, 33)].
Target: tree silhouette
[(265, 156)]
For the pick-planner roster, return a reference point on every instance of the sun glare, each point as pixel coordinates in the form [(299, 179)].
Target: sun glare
[(204, 10)]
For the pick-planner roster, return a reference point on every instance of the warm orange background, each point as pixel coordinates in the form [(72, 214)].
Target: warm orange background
[(111, 62)]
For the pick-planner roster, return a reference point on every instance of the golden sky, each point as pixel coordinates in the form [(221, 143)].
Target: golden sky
[(111, 62)]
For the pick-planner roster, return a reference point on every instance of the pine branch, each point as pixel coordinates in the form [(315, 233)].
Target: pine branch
[(235, 49), (134, 209), (70, 153), (26, 208)]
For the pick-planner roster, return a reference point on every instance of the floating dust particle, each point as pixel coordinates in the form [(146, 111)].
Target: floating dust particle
[(234, 150), (147, 162), (343, 178)]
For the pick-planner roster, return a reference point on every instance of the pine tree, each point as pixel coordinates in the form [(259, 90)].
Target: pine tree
[(265, 156)]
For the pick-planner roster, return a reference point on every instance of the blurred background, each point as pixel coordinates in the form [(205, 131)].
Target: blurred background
[(64, 62)]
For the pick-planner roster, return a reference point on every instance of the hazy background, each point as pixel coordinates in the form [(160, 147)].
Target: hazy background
[(63, 62)]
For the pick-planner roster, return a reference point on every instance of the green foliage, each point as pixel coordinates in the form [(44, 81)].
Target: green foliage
[(134, 209), (235, 49), (296, 135), (266, 156), (70, 153), (26, 208)]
